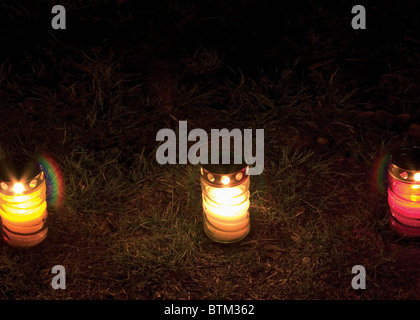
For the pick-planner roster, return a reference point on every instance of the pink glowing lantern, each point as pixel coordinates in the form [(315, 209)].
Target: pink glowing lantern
[(404, 192)]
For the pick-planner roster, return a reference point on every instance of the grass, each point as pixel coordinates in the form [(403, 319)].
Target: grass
[(132, 229)]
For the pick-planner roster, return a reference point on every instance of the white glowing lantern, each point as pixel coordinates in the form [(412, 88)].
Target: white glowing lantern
[(225, 193), (404, 192), (23, 206)]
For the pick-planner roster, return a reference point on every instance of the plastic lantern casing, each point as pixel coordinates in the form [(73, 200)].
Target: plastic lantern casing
[(23, 206), (404, 192), (225, 194)]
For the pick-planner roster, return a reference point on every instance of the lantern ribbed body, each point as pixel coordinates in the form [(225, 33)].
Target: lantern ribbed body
[(404, 201), (24, 215), (226, 216)]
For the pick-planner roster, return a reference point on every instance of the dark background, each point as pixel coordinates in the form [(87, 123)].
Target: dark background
[(156, 38)]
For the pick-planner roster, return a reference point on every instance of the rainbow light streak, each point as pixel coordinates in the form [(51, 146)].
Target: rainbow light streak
[(54, 179), (381, 172)]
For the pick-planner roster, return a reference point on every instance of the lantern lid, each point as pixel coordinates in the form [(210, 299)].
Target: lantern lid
[(407, 158), (224, 175), (18, 168), (222, 168)]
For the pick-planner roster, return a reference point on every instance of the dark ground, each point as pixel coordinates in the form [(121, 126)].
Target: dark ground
[(332, 101)]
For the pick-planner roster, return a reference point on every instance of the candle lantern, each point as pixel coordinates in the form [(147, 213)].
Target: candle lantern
[(404, 191), (23, 206), (225, 194)]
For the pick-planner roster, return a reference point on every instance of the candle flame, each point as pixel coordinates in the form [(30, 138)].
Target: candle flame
[(18, 188), (225, 180)]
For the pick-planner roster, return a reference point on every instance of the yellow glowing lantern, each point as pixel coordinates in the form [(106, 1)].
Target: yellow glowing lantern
[(23, 206), (225, 193), (404, 191)]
